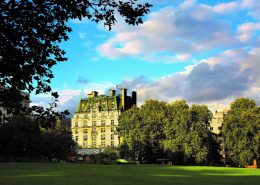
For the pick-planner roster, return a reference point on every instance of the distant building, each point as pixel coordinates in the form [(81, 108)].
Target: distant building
[(95, 121), (216, 128), (216, 122), (25, 102)]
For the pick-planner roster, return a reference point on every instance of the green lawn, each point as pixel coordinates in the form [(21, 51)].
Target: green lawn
[(82, 174)]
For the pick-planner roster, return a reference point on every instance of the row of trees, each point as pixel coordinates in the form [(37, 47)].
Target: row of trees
[(29, 138), (175, 131), (181, 133)]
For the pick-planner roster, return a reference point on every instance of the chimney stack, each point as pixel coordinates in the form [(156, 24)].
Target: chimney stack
[(133, 98), (124, 97), (112, 92), (93, 94)]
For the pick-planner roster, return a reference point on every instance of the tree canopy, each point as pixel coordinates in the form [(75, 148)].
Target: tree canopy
[(26, 137), (141, 129), (241, 132), (176, 131), (30, 33)]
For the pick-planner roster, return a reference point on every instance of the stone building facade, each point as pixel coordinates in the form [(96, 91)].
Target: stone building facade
[(216, 128), (95, 121), (217, 120)]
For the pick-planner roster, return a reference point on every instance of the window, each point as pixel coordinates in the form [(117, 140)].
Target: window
[(219, 128), (103, 137), (76, 132), (85, 131), (112, 129), (103, 115), (103, 143), (85, 116), (211, 128), (85, 123), (94, 130), (112, 122), (112, 137), (94, 144), (94, 115), (85, 138), (103, 130), (76, 124), (94, 137), (85, 144), (112, 143), (103, 122), (76, 138), (77, 116), (94, 123)]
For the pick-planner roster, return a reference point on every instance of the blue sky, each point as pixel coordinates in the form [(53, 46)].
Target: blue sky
[(203, 51)]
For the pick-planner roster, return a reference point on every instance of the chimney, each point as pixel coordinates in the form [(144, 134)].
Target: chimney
[(112, 92), (124, 97), (133, 98), (93, 94)]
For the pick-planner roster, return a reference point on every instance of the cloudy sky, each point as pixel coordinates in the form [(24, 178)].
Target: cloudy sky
[(206, 52)]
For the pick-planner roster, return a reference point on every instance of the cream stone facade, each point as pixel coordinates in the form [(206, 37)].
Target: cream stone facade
[(216, 122), (95, 121), (216, 128)]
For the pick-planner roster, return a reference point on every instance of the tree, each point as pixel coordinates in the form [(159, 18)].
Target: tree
[(176, 130), (188, 139), (19, 138), (30, 33), (142, 130), (241, 132), (24, 137), (201, 145), (57, 142)]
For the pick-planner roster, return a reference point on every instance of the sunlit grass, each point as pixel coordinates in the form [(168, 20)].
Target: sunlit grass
[(81, 174)]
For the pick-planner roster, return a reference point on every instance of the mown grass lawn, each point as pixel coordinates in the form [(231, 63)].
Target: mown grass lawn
[(82, 174)]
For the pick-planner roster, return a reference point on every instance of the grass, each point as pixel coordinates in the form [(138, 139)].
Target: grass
[(82, 174)]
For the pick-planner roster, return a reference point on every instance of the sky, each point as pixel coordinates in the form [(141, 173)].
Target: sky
[(207, 52)]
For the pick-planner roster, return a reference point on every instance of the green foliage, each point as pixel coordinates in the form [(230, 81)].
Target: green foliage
[(188, 139), (175, 130), (141, 129), (19, 138), (23, 137), (241, 131), (111, 153), (31, 32)]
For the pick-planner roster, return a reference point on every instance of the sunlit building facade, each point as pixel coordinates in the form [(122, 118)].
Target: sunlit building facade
[(95, 121)]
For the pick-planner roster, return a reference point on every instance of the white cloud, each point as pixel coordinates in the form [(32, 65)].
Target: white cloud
[(253, 7), (226, 7), (215, 81), (247, 31), (174, 30)]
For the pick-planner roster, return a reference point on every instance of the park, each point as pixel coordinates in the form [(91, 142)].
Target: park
[(193, 68)]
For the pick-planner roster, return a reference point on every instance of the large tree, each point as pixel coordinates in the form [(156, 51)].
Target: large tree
[(142, 130), (30, 33), (241, 131), (188, 139), (176, 131)]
